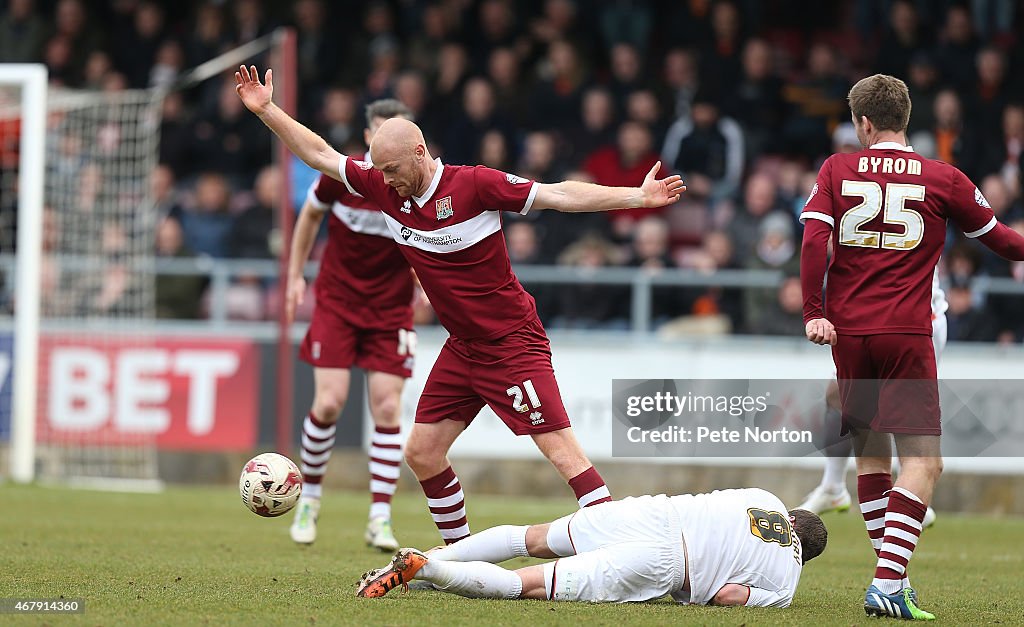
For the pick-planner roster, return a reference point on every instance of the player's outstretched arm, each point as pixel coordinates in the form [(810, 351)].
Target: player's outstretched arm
[(304, 143), (1005, 242), (576, 196)]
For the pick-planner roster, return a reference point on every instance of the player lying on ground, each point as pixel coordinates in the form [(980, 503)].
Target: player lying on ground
[(447, 222), (362, 317), (885, 209), (831, 494), (729, 547)]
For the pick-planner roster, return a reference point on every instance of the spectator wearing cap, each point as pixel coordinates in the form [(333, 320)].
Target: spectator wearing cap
[(844, 139), (775, 249), (760, 198), (707, 149)]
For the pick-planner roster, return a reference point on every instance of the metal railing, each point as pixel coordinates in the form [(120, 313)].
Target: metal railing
[(221, 273)]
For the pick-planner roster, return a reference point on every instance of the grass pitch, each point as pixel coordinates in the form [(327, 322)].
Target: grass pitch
[(194, 556)]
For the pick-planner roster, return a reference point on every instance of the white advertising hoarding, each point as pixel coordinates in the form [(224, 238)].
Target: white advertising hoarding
[(585, 366)]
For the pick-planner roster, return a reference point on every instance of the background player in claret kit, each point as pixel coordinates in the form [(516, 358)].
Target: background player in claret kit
[(831, 494), (729, 547), (885, 209), (363, 317), (446, 220)]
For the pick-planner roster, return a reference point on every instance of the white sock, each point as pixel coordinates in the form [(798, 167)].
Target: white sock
[(493, 545), (312, 491), (834, 479), (477, 580), (380, 510)]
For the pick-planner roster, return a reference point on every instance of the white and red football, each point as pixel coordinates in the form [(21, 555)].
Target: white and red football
[(270, 484)]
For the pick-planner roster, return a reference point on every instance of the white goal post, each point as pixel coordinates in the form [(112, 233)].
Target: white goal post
[(32, 81)]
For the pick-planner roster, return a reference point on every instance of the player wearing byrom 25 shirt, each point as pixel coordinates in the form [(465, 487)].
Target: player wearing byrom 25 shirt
[(831, 494), (363, 317), (885, 209), (447, 222), (729, 547)]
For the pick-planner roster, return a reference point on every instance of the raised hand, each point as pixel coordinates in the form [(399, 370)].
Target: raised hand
[(255, 95), (658, 193)]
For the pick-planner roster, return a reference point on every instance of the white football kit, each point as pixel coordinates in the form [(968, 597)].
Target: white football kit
[(939, 307), (633, 549)]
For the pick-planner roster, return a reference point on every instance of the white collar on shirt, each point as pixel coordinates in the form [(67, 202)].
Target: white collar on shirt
[(422, 200), (891, 146)]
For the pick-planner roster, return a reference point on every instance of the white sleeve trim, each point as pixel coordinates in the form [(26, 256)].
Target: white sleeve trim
[(817, 215), (315, 202), (529, 199), (344, 177), (985, 229)]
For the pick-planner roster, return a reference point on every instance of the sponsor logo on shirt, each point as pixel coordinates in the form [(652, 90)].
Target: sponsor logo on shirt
[(814, 190), (406, 207), (363, 165), (433, 240), (444, 208), (980, 199), (515, 180), (536, 418), (439, 240)]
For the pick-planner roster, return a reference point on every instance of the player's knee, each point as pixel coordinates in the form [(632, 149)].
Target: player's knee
[(537, 541), (385, 409), (419, 455), (328, 405)]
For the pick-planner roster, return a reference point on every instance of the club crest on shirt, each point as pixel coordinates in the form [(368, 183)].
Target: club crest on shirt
[(814, 190), (980, 199), (444, 208), (406, 233), (515, 180)]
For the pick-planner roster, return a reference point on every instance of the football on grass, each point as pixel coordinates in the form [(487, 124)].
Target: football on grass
[(270, 484)]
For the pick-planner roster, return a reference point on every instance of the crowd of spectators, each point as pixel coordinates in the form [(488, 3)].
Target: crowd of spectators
[(744, 98)]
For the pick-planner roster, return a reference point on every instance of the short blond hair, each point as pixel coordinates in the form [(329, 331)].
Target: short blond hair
[(883, 99)]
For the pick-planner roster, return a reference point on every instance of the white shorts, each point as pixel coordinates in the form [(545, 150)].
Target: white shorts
[(939, 333), (628, 550)]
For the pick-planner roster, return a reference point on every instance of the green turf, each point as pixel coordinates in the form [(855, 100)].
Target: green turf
[(196, 556)]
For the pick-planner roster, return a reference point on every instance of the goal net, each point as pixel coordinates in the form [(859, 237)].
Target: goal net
[(95, 275), (77, 281)]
